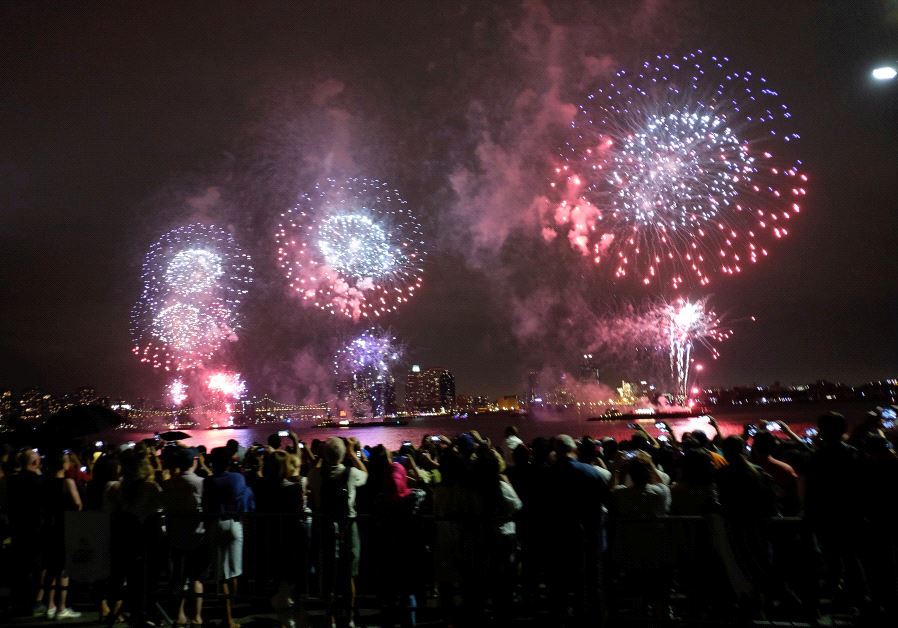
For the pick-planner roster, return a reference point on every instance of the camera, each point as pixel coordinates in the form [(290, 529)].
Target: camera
[(283, 433)]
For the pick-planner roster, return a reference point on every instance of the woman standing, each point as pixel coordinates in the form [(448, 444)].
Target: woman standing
[(60, 496)]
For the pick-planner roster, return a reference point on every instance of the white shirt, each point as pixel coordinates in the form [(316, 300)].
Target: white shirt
[(511, 443), (356, 478)]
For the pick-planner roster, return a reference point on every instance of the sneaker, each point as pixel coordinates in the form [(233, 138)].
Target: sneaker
[(68, 613), (51, 613), (39, 610)]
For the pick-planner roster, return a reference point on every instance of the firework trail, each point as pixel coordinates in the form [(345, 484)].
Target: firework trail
[(351, 248), (660, 336), (685, 323), (194, 279), (678, 171)]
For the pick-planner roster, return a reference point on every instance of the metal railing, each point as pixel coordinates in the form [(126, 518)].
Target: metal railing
[(653, 570)]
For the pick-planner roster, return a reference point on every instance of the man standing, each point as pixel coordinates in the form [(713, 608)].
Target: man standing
[(332, 489), (25, 509), (182, 497), (577, 494)]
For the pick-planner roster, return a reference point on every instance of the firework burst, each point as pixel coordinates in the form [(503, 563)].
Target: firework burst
[(227, 384), (678, 171), (177, 391), (683, 324), (351, 248), (194, 279), (372, 352)]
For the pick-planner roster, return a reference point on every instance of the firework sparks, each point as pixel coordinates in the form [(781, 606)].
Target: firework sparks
[(678, 171), (226, 384), (372, 352), (194, 279), (351, 248), (177, 392), (683, 324)]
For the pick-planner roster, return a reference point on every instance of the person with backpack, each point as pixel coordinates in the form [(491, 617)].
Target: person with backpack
[(332, 491)]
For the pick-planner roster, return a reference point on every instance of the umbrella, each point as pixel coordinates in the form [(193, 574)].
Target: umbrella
[(173, 436)]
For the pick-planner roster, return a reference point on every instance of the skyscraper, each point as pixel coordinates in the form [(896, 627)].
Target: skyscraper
[(415, 395), (439, 386), (589, 370)]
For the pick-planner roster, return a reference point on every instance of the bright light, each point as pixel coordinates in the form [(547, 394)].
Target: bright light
[(884, 73)]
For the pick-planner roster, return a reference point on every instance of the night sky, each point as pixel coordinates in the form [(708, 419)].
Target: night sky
[(121, 121)]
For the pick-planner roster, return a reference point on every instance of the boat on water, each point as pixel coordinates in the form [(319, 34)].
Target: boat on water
[(643, 414), (355, 424)]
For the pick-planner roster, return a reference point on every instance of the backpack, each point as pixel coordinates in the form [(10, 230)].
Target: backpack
[(335, 495)]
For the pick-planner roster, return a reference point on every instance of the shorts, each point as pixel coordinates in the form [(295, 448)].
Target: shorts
[(227, 547)]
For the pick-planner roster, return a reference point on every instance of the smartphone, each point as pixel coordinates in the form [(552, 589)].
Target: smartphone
[(435, 439), (889, 413), (83, 469), (752, 430), (632, 426), (663, 438), (659, 425), (810, 432), (888, 424), (773, 426), (283, 433), (98, 444), (406, 443), (302, 445), (629, 454)]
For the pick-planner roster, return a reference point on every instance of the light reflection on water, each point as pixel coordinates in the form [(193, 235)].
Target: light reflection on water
[(493, 426)]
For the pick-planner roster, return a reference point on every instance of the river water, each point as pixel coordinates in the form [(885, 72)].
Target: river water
[(730, 419)]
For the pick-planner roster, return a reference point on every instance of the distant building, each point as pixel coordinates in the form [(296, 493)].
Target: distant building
[(439, 387), (589, 370), (532, 386), (382, 398), (6, 403), (509, 403), (415, 395), (31, 404), (86, 395), (368, 393)]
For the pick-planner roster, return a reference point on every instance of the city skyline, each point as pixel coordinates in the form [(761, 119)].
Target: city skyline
[(123, 126)]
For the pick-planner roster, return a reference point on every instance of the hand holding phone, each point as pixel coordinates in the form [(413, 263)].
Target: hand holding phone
[(283, 433)]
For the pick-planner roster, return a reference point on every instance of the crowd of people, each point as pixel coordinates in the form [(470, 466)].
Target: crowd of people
[(769, 523)]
